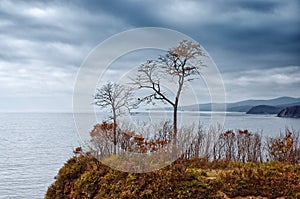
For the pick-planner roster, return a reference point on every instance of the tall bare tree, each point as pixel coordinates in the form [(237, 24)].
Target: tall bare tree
[(181, 64), (118, 99)]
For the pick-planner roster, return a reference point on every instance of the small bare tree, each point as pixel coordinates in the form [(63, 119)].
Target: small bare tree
[(118, 99), (180, 64)]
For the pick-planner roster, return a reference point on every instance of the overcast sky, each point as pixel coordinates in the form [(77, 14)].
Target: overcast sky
[(255, 44)]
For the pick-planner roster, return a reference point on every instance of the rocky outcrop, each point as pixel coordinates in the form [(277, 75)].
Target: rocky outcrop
[(292, 112), (264, 109)]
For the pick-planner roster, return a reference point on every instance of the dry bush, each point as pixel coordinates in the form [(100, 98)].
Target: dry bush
[(240, 146), (249, 146), (194, 141), (101, 142), (284, 148)]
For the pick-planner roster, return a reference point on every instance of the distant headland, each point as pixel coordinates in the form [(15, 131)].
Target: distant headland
[(281, 106)]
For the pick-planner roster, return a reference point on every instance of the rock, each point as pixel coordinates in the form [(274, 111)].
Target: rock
[(292, 112)]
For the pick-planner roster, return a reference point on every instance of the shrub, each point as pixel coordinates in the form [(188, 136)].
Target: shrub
[(185, 178)]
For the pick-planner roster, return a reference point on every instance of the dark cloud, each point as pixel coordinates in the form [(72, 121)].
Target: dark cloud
[(241, 36), (257, 5), (247, 29), (136, 13)]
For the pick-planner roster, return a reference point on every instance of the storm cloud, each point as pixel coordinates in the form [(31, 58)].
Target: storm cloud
[(43, 43)]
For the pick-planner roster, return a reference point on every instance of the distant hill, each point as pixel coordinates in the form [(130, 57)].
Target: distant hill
[(264, 109), (243, 106), (246, 105), (270, 102), (292, 112)]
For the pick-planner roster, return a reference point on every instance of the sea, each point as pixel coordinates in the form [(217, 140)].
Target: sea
[(34, 146)]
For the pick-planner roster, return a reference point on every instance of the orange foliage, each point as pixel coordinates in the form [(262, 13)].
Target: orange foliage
[(229, 133), (78, 150), (245, 132), (103, 127)]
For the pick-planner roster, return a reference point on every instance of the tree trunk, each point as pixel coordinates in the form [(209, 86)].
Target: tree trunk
[(175, 122), (115, 132), (180, 84)]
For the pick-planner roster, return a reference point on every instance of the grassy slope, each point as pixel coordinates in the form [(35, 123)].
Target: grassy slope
[(85, 177)]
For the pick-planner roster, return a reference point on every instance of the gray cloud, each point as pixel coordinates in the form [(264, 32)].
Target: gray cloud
[(250, 30), (263, 83), (253, 42)]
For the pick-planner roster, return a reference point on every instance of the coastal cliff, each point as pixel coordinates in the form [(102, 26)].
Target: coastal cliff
[(264, 109), (291, 112), (85, 177)]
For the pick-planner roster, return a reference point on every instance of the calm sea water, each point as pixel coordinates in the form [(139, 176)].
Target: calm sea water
[(33, 146)]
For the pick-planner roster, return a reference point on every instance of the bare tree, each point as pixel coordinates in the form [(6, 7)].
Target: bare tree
[(180, 64), (118, 99)]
